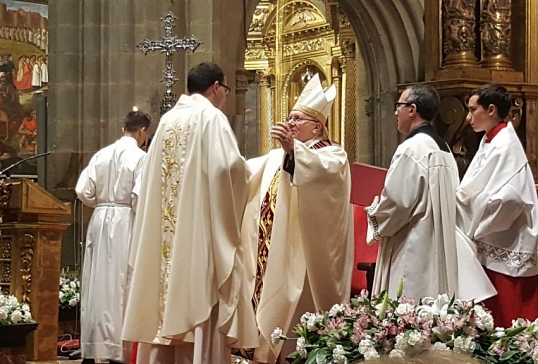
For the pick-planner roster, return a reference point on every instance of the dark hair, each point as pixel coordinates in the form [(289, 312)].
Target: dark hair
[(136, 120), (203, 76), (426, 99), (494, 94)]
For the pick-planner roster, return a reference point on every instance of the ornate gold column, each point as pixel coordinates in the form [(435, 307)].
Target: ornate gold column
[(265, 115), (335, 131), (349, 102), (459, 39), (495, 31)]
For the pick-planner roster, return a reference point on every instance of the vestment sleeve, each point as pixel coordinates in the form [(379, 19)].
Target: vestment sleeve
[(86, 185), (505, 206), (405, 185), (137, 178)]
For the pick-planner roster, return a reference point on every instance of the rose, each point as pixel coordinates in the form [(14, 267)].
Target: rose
[(16, 316), (276, 336), (3, 313)]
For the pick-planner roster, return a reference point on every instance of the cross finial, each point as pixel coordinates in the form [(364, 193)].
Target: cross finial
[(169, 45)]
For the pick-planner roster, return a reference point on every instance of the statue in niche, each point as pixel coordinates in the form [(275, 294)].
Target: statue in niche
[(304, 16)]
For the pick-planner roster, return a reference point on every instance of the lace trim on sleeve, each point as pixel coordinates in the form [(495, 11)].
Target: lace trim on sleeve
[(373, 220), (511, 258)]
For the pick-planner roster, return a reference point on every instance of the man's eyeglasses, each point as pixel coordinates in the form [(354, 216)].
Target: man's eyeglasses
[(296, 120), (226, 88), (400, 103)]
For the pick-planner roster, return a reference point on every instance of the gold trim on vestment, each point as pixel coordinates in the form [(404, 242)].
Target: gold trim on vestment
[(173, 162)]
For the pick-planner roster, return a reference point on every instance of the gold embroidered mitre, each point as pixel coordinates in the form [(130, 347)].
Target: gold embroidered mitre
[(314, 101)]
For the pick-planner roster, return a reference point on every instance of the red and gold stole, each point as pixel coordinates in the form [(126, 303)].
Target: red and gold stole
[(267, 213)]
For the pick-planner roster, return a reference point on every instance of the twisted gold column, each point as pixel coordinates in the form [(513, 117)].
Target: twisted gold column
[(459, 38), (350, 101), (495, 32), (265, 115)]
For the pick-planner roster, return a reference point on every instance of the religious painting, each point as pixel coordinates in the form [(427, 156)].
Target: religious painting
[(23, 72)]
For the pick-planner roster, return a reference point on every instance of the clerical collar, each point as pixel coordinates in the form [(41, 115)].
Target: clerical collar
[(495, 130), (426, 128)]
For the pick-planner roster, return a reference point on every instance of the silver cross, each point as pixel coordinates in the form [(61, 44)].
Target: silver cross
[(169, 45)]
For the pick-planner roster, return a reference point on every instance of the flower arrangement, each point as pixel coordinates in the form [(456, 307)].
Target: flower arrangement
[(366, 328), (13, 312), (69, 290)]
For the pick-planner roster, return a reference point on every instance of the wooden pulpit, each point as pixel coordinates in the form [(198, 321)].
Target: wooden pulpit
[(30, 245)]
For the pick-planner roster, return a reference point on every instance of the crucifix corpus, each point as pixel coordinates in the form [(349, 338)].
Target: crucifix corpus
[(169, 45)]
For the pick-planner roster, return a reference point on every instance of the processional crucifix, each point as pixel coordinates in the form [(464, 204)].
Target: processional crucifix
[(169, 45)]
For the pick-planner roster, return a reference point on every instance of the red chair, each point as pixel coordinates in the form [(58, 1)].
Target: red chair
[(365, 255)]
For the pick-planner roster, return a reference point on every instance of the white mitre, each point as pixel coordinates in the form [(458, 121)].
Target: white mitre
[(314, 101)]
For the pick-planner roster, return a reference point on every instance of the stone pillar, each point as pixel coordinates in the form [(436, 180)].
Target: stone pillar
[(97, 75), (495, 32), (238, 124), (459, 39), (350, 102), (265, 115)]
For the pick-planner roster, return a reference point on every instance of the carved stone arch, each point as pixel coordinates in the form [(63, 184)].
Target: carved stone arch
[(390, 37), (293, 70)]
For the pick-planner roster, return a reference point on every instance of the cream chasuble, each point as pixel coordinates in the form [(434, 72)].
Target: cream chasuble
[(310, 253), (186, 285)]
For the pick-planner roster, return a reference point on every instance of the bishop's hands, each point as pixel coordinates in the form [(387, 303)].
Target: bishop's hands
[(283, 134)]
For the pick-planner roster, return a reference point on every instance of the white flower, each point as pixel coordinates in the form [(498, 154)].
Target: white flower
[(27, 317), (428, 300), (371, 354), (499, 332), (440, 346), (484, 320), (73, 284), (397, 354), (61, 294), (464, 344), (424, 315), (12, 302), (73, 302), (378, 308), (300, 348), (305, 317), (414, 338), (275, 336), (25, 308), (77, 296), (339, 355), (469, 345), (365, 345), (401, 342), (336, 309), (404, 308), (3, 313), (339, 350), (16, 316), (65, 287)]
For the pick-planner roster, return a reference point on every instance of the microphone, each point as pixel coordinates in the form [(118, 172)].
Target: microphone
[(22, 161)]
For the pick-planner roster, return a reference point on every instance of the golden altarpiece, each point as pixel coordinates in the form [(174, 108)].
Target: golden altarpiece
[(466, 43), (288, 42), (472, 42)]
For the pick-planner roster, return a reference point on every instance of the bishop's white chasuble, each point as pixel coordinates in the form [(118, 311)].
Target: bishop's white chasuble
[(299, 229)]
